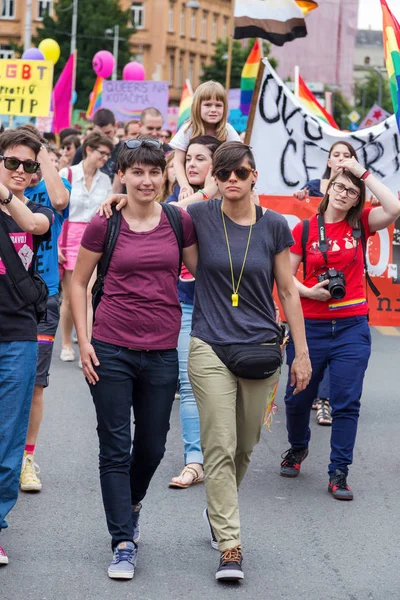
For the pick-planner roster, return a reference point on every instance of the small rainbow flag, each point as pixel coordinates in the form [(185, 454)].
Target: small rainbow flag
[(249, 76), (185, 105), (310, 101), (95, 98), (391, 44)]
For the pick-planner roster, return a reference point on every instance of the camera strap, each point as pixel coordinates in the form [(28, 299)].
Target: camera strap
[(322, 243)]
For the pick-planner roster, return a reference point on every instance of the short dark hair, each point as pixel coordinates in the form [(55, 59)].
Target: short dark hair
[(94, 140), (50, 137), (153, 112), (121, 124), (53, 149), (230, 155), (103, 117), (353, 216), (131, 122), (12, 138), (146, 154), (71, 139), (29, 128), (211, 142), (67, 131)]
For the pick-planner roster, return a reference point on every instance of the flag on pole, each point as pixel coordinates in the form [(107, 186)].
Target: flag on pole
[(277, 21), (185, 105), (249, 76), (95, 98), (312, 104), (62, 96), (391, 44)]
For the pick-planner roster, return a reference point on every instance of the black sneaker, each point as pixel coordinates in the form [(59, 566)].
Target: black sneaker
[(135, 522), (214, 542), (338, 486), (230, 565), (292, 459)]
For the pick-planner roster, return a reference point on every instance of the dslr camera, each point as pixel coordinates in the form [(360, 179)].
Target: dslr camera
[(337, 283)]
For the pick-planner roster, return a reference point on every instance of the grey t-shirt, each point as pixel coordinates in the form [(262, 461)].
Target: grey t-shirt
[(215, 320)]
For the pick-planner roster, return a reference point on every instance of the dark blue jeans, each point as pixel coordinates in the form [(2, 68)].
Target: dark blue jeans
[(146, 382), (345, 346)]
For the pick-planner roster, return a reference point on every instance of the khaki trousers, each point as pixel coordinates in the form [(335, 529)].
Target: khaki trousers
[(231, 413)]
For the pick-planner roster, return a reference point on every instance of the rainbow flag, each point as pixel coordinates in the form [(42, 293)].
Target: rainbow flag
[(185, 105), (95, 98), (249, 76), (310, 101), (391, 43)]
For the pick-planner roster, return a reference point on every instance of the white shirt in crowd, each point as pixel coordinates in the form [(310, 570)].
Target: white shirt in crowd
[(84, 203), (181, 139)]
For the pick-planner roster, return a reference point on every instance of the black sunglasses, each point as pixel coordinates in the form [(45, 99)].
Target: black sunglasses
[(12, 164), (133, 144), (242, 173)]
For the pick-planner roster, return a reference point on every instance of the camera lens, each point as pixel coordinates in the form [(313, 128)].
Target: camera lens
[(336, 288)]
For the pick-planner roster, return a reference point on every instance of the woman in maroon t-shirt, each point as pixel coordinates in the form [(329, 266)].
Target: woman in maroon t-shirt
[(132, 361), (335, 310)]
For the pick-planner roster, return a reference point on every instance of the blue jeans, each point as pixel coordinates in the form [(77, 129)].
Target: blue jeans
[(344, 345), (190, 421), (17, 378), (324, 386), (145, 381)]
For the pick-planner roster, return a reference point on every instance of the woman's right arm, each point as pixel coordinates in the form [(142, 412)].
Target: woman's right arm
[(85, 265), (317, 292)]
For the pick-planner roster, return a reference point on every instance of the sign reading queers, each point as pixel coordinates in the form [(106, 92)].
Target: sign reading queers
[(25, 87), (291, 147), (127, 99)]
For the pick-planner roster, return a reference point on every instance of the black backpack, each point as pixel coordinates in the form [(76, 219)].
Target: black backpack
[(113, 226)]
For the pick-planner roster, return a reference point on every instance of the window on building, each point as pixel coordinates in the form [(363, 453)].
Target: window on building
[(193, 25), (214, 29), (6, 51), (137, 11), (179, 79), (224, 29), (182, 23), (171, 69), (44, 7), (203, 64), (191, 68), (171, 18), (7, 9), (204, 27)]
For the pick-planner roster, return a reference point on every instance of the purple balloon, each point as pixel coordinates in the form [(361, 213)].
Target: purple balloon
[(103, 63), (33, 54), (133, 71)]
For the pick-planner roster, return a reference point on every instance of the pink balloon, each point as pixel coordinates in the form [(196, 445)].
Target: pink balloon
[(103, 63), (133, 71)]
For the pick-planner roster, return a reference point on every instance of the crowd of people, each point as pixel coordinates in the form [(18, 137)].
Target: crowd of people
[(155, 249)]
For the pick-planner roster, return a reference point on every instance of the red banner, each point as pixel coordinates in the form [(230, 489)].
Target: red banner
[(383, 257)]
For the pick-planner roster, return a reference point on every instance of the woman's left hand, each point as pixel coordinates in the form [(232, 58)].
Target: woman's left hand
[(352, 165), (300, 373)]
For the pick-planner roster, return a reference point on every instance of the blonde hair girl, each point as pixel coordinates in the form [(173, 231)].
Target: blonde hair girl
[(208, 117)]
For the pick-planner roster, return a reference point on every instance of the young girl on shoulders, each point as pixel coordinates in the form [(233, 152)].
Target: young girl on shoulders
[(208, 117)]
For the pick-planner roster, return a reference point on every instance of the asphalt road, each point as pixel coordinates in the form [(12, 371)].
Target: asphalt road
[(299, 543)]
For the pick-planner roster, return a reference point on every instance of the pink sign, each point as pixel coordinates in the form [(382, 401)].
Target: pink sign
[(172, 118)]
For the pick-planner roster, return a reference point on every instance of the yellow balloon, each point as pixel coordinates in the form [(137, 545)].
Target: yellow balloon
[(50, 49)]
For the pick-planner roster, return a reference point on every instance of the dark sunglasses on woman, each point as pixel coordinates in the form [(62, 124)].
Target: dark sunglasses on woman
[(12, 164), (242, 173), (133, 144)]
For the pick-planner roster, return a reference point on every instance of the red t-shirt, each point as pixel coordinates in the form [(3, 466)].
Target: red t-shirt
[(140, 307), (344, 254)]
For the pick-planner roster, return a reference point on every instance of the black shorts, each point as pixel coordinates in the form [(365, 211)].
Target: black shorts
[(46, 334)]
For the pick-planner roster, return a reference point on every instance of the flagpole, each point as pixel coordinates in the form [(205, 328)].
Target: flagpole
[(230, 47), (254, 102), (296, 81)]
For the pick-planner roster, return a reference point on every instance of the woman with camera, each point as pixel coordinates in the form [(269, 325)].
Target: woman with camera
[(335, 310)]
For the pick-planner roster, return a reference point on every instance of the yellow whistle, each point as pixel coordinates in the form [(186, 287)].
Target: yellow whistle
[(235, 299)]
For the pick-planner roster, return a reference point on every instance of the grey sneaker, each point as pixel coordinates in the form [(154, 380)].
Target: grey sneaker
[(214, 542), (135, 522), (230, 565), (124, 561)]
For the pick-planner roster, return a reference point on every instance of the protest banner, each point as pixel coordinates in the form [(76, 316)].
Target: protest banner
[(382, 257), (127, 99), (291, 145), (25, 87)]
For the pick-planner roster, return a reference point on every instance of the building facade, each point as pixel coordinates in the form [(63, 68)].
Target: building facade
[(13, 19)]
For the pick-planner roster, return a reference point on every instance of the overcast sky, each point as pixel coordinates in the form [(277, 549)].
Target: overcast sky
[(370, 13)]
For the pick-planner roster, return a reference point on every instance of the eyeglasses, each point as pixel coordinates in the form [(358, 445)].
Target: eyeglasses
[(242, 173), (103, 154), (350, 192), (133, 144), (12, 164)]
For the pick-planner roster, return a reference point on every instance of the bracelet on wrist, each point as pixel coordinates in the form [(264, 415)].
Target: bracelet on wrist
[(204, 194), (365, 175), (8, 199)]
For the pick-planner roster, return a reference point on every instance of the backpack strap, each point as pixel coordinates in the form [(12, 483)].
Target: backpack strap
[(175, 219), (371, 284), (259, 212), (113, 226), (304, 240)]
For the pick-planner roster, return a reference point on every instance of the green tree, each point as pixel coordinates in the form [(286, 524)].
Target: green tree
[(367, 93), (217, 69), (341, 109), (94, 18)]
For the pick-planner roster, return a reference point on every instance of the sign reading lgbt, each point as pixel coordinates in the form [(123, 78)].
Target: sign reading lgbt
[(127, 99), (25, 87)]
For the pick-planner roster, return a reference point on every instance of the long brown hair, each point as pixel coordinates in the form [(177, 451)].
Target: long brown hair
[(209, 90), (354, 214), (166, 187), (353, 154)]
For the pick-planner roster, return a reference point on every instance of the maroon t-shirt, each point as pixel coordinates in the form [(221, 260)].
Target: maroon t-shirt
[(140, 307)]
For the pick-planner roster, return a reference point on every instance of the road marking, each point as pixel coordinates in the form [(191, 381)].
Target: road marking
[(388, 330)]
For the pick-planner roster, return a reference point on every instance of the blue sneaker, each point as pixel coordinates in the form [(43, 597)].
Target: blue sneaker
[(135, 521), (124, 561)]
